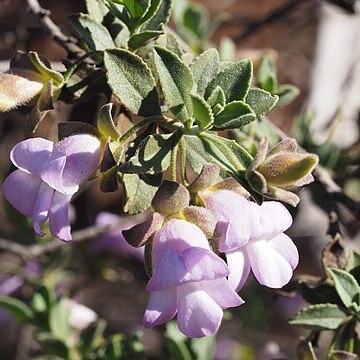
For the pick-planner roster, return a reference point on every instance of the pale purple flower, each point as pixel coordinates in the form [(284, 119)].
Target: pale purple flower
[(113, 241), (80, 316), (188, 280), (48, 175), (252, 238)]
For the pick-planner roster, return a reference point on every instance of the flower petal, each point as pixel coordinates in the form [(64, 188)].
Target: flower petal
[(203, 264), (221, 291), (269, 266), (30, 155), (239, 265), (52, 174), (169, 272), (42, 207), (177, 235), (59, 216), (161, 308), (21, 190), (285, 246), (198, 314)]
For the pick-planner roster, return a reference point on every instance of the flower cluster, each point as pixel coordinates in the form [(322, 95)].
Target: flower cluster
[(189, 277), (48, 176)]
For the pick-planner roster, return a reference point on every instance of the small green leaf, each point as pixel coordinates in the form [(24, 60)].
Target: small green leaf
[(196, 154), (234, 79), (176, 82), (169, 41), (97, 10), (59, 321), (176, 342), (346, 286), (217, 99), (105, 123), (353, 260), (234, 115), (109, 180), (16, 308), (202, 111), (320, 317), (91, 335), (204, 68), (95, 35), (132, 82), (204, 347), (160, 18), (137, 9), (261, 101), (139, 191), (142, 38), (287, 94), (267, 75), (153, 154), (53, 346), (152, 10)]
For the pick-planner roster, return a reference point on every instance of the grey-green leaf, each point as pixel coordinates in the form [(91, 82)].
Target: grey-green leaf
[(267, 75), (97, 10), (152, 155), (176, 82), (320, 317), (132, 82), (59, 321), (204, 68), (202, 111), (346, 286), (95, 35), (139, 191), (161, 16), (170, 42), (234, 79), (234, 115), (217, 99), (261, 101), (287, 94), (16, 308), (142, 38)]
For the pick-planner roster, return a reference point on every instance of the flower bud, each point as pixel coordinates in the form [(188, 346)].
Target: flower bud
[(277, 173), (16, 90), (170, 198)]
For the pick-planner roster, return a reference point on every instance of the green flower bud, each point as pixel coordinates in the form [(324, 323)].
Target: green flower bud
[(276, 174)]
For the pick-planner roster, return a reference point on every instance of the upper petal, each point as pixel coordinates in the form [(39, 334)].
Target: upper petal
[(177, 235), (59, 217), (269, 266), (161, 308), (198, 314), (30, 155), (21, 190)]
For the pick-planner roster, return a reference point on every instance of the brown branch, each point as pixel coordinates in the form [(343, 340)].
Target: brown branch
[(53, 30)]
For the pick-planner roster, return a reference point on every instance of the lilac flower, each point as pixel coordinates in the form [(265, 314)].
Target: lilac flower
[(47, 177), (113, 241), (252, 238), (188, 280)]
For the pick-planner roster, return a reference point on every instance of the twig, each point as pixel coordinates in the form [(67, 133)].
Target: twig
[(53, 30), (270, 18)]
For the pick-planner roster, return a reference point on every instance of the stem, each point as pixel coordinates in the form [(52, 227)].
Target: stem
[(173, 162), (137, 127), (182, 149), (78, 62)]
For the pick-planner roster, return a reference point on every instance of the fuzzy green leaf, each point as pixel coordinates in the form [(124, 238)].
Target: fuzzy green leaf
[(105, 123), (176, 82), (161, 17), (53, 346), (97, 10), (202, 111), (59, 321), (217, 99), (204, 68), (153, 8), (153, 154), (319, 317), (132, 82), (169, 41), (346, 286), (142, 38), (137, 8), (267, 75), (196, 154), (353, 260), (287, 94), (234, 115), (234, 79), (139, 191), (261, 101), (95, 35), (16, 308)]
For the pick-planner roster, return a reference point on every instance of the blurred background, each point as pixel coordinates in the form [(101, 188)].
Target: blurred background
[(315, 46)]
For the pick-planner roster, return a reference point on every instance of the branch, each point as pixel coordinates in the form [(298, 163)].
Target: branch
[(52, 29)]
